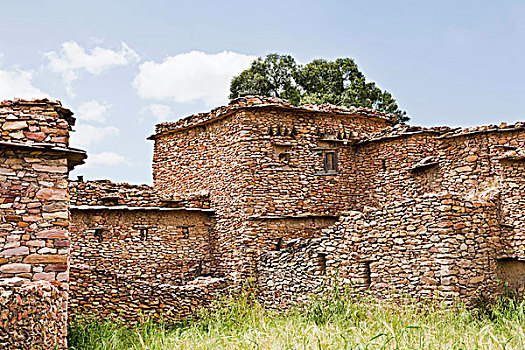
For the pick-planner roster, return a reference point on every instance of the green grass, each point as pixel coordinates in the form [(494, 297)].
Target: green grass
[(334, 321)]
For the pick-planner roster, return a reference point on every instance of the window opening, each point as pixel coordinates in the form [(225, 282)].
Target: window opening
[(143, 234), (321, 262), (279, 244), (284, 157), (368, 274), (185, 232), (99, 234), (330, 162)]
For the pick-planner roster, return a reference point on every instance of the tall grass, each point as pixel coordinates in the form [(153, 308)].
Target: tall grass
[(335, 320)]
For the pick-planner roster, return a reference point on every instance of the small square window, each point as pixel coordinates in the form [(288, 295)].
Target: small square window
[(99, 234), (321, 262), (284, 157)]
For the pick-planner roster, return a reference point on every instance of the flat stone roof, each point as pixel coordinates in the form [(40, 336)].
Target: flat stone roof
[(254, 101), (404, 130)]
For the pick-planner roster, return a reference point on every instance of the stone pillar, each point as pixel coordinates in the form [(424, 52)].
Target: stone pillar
[(35, 160)]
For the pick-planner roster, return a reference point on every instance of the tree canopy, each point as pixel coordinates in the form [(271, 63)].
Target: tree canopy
[(337, 82)]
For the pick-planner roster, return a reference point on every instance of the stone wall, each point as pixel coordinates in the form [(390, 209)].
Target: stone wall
[(262, 160), (35, 121), (34, 207), (404, 237), (137, 300), (436, 246), (129, 246), (165, 246), (104, 193)]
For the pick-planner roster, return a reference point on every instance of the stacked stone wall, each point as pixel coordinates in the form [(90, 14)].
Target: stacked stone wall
[(163, 246), (477, 165), (298, 184), (262, 164), (34, 211), (104, 193), (36, 121), (436, 246), (116, 297), (129, 245)]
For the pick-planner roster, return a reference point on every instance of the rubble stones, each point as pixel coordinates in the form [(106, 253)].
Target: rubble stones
[(32, 316)]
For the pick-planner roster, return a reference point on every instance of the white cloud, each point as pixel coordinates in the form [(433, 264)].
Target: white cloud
[(160, 112), (191, 76), (86, 135), (73, 58), (93, 111), (106, 159), (18, 83)]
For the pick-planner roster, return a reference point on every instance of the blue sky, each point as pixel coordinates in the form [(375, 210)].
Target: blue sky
[(123, 66)]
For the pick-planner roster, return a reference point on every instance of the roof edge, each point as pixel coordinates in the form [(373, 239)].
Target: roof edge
[(254, 102)]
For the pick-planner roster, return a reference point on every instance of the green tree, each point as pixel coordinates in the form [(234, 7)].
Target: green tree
[(337, 82), (273, 76)]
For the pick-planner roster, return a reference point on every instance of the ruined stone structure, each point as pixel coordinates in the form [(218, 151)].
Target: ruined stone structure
[(286, 196), (282, 196), (136, 254)]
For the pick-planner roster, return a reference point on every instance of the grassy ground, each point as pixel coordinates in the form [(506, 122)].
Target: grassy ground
[(333, 322)]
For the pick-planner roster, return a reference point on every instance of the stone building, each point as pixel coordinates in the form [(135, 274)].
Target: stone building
[(265, 191), (261, 189), (35, 159)]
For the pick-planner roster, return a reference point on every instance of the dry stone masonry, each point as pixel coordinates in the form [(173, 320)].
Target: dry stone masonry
[(34, 230), (259, 190), (136, 254)]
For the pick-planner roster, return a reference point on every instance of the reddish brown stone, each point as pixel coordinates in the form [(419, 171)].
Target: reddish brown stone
[(51, 194), (52, 234), (36, 136), (45, 258)]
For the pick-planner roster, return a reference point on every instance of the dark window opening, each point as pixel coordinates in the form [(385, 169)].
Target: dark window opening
[(321, 262), (99, 234), (279, 244), (143, 234), (284, 157), (199, 269), (330, 162), (383, 164), (185, 232), (368, 274)]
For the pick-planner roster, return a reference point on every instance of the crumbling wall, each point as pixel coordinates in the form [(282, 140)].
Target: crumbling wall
[(436, 246), (137, 300), (104, 193), (34, 212)]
